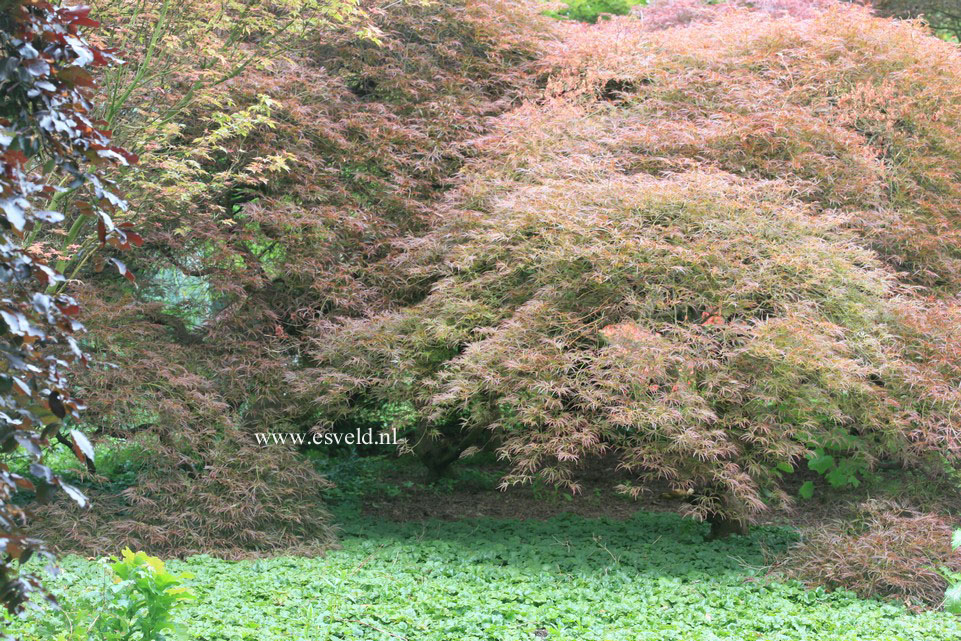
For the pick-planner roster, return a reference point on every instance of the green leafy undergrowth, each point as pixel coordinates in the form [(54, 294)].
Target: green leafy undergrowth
[(357, 478), (652, 577), (591, 10), (117, 464), (135, 600), (952, 596)]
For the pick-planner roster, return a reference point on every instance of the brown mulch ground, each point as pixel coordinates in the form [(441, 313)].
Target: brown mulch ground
[(464, 499)]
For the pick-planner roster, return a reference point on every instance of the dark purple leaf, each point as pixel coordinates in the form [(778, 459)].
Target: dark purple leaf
[(75, 494), (81, 445)]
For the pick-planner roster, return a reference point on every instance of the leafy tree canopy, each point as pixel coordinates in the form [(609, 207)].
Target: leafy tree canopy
[(694, 255)]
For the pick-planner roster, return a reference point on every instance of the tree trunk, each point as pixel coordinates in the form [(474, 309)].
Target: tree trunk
[(724, 526), (439, 453)]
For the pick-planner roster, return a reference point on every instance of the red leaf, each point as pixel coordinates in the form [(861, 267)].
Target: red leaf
[(81, 445), (75, 494), (73, 14), (126, 273), (23, 484), (75, 77)]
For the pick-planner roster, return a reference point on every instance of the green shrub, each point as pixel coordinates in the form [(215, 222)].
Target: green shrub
[(591, 10), (136, 601), (117, 464), (952, 596), (838, 470)]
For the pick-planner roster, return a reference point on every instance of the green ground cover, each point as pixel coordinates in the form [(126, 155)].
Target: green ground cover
[(652, 577)]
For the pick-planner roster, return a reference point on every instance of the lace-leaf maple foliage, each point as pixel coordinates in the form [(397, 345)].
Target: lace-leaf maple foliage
[(270, 199), (707, 252), (51, 154)]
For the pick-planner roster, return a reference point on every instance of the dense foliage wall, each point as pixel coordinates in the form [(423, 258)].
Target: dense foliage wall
[(715, 242), (267, 200), (717, 251)]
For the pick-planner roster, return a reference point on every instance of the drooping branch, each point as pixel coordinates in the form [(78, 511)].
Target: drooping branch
[(183, 335), (88, 462)]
